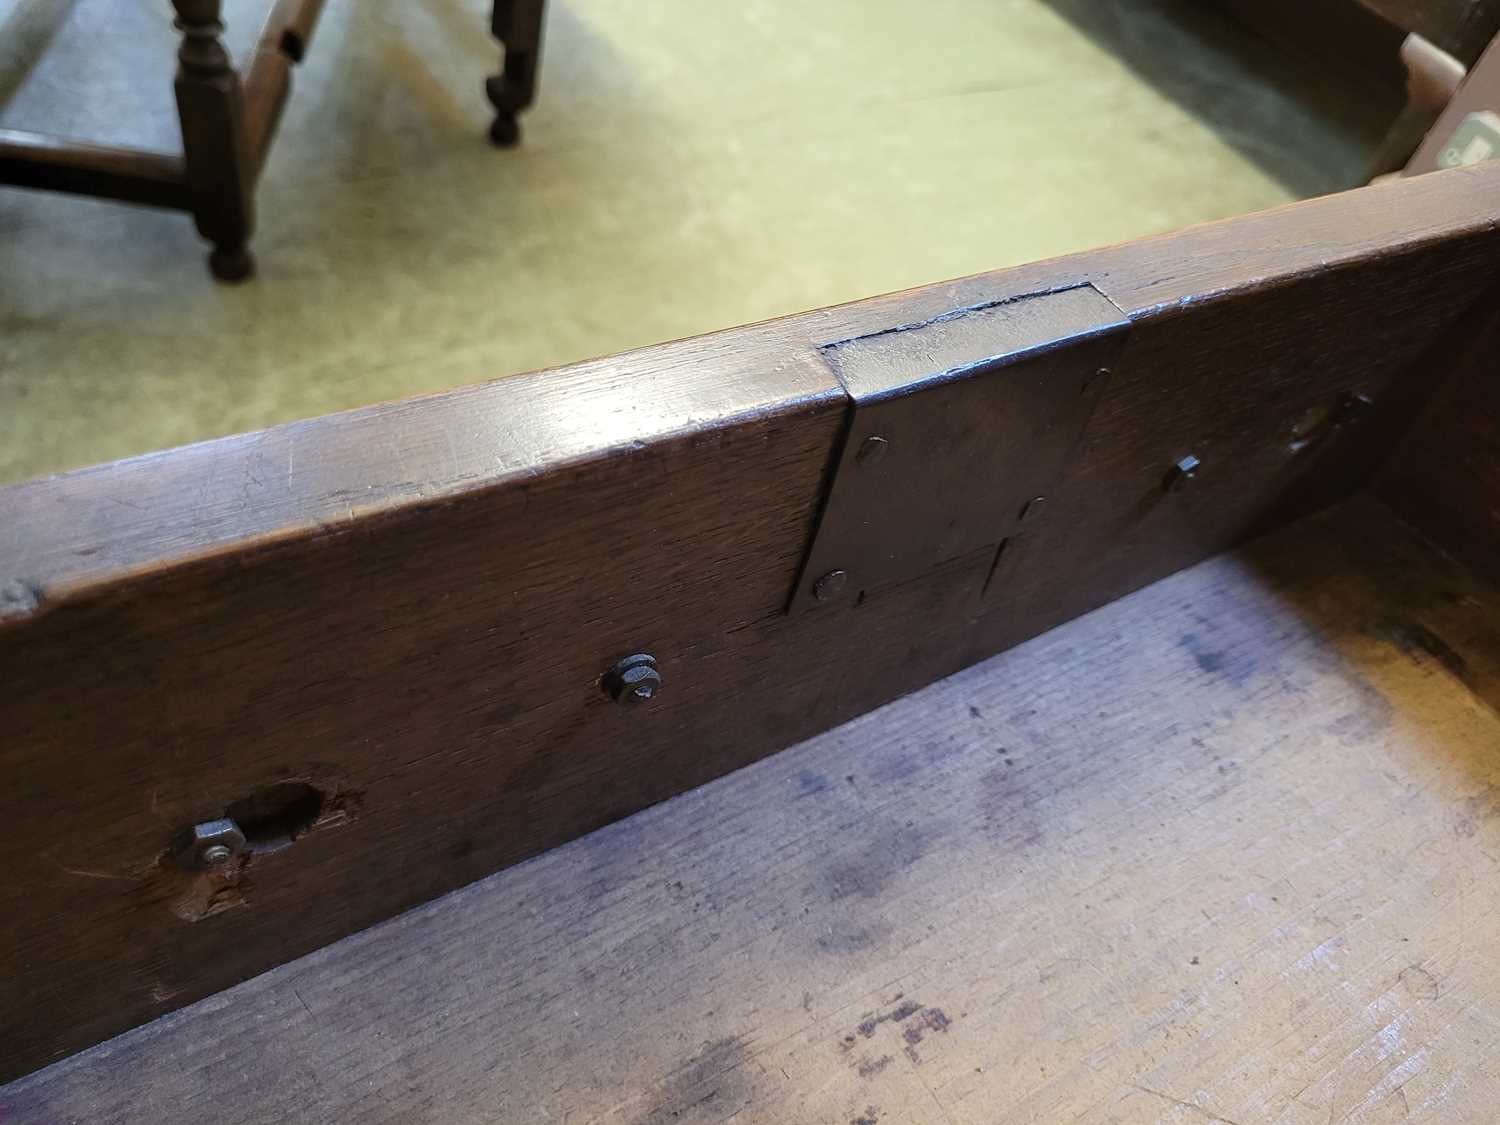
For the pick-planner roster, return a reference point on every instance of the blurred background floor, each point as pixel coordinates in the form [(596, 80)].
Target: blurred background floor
[(688, 167)]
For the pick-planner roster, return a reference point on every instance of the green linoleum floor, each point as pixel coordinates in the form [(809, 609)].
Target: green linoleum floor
[(688, 167)]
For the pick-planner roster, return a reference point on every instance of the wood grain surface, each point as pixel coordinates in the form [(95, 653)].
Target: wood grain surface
[(1222, 851), (1463, 28), (80, 529), (408, 608), (1445, 476), (1368, 42), (1363, 37)]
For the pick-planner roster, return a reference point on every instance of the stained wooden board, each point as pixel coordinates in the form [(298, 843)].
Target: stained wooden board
[(407, 609), (1445, 476), (84, 529), (1224, 850)]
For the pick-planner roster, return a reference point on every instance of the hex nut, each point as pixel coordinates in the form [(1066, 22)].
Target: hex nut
[(831, 585), (633, 681), (210, 844), (1184, 470)]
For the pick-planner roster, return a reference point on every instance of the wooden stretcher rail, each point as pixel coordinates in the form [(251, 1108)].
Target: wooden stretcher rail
[(290, 26), (35, 160), (283, 42), (268, 82), (379, 636)]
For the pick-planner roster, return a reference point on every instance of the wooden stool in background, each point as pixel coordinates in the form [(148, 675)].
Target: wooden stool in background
[(228, 122), (518, 25)]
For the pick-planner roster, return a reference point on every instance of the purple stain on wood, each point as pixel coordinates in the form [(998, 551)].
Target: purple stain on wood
[(927, 1020), (869, 1067), (879, 863), (1235, 667), (809, 782), (917, 1022), (905, 1011)]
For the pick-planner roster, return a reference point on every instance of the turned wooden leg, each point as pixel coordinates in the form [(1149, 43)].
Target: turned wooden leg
[(210, 108), (518, 26)]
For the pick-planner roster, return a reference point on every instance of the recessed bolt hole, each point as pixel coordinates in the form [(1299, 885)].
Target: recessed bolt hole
[(871, 451), (1313, 419), (273, 817)]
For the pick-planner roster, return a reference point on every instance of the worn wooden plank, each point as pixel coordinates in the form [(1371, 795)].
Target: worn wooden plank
[(1445, 477), (1363, 37), (1461, 27), (1223, 850), (1368, 41), (408, 608), (99, 524)]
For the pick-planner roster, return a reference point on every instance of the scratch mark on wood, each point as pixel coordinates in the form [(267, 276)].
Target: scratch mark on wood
[(1207, 1114), (96, 874)]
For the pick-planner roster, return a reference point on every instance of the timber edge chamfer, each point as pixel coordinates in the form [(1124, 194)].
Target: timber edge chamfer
[(381, 642)]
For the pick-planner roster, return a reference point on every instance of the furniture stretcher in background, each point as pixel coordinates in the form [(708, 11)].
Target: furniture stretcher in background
[(229, 117)]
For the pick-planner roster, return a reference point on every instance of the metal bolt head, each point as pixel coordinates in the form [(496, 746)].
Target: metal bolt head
[(871, 451), (210, 844), (831, 585), (634, 680), (1184, 470), (1354, 409)]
